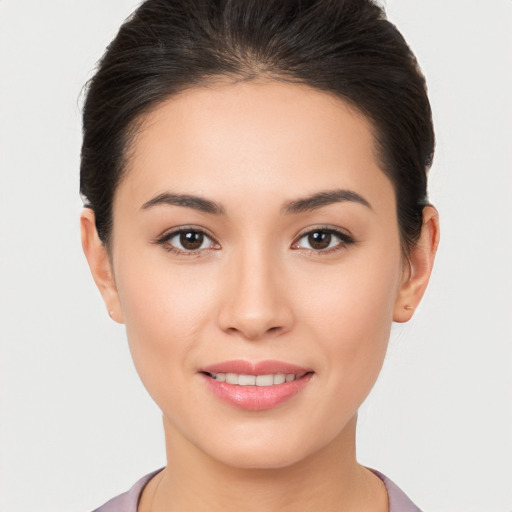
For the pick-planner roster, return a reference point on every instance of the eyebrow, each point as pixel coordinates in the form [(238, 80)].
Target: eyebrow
[(305, 204), (186, 200), (324, 198)]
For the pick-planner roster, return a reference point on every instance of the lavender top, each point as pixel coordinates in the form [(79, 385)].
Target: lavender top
[(128, 501)]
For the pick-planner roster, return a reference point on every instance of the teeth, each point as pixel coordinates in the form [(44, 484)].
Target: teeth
[(231, 378), (254, 380), (246, 380), (265, 380), (280, 378)]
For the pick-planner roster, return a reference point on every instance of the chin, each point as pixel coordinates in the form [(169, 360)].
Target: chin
[(254, 449), (261, 458)]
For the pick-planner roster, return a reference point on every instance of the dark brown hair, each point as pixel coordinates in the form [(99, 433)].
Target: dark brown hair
[(346, 47)]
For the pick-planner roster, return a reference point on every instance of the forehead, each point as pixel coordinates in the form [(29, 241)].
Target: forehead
[(254, 138)]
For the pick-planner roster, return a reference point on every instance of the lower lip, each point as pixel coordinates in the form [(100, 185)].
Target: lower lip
[(256, 398)]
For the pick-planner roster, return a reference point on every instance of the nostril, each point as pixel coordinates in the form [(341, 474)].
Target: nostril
[(253, 332)]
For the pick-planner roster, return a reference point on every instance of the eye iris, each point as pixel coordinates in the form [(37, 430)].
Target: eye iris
[(191, 240), (319, 240)]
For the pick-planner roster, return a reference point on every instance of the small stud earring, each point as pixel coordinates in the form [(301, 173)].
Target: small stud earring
[(408, 307), (111, 313)]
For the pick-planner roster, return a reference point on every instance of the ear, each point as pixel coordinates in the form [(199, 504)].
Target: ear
[(421, 261), (100, 264)]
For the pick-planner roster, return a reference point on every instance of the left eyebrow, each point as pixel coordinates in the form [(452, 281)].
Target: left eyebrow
[(324, 198)]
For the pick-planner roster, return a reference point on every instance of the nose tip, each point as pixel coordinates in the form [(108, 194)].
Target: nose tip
[(255, 304)]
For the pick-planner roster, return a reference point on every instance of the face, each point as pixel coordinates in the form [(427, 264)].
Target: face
[(255, 241)]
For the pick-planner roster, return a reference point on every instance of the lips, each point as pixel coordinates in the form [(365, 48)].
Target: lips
[(255, 386)]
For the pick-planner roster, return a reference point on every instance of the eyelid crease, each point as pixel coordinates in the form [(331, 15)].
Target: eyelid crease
[(168, 235), (343, 233), (345, 238), (183, 229)]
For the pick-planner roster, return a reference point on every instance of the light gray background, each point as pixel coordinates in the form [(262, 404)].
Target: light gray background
[(76, 425)]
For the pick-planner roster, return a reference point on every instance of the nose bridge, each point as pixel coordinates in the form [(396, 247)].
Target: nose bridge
[(255, 302)]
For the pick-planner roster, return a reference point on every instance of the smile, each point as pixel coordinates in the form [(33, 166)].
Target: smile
[(255, 380), (255, 386)]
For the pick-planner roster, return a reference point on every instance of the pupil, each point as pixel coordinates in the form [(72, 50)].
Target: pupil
[(191, 240), (319, 240)]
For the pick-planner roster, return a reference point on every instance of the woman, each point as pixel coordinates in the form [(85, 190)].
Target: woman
[(256, 215)]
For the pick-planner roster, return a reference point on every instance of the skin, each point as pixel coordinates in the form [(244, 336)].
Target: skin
[(258, 291)]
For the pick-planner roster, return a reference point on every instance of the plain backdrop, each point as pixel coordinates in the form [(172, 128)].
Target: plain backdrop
[(76, 425)]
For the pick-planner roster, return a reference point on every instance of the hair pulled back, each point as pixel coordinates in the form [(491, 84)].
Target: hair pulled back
[(346, 47)]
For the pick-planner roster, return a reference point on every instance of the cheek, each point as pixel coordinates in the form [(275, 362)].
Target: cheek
[(350, 314), (165, 311)]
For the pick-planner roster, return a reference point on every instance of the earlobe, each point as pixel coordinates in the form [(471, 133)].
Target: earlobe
[(421, 261), (100, 264)]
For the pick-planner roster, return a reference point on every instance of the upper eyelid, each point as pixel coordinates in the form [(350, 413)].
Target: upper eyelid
[(337, 231), (169, 233), (345, 239), (165, 239), (331, 229)]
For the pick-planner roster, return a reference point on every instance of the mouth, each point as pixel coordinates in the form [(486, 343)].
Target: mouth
[(255, 386), (238, 379)]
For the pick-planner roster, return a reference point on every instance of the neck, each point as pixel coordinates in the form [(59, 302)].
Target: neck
[(330, 480)]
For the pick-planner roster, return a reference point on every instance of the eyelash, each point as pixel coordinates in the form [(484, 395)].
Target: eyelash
[(344, 241), (165, 241)]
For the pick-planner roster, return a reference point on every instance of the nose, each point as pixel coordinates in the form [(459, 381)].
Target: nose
[(255, 304)]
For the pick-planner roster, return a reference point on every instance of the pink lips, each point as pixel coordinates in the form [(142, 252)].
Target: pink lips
[(256, 398)]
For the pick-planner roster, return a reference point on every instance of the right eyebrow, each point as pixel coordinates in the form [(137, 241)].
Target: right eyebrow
[(188, 201)]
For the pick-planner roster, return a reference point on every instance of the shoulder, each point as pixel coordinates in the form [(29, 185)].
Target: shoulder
[(128, 501), (398, 500)]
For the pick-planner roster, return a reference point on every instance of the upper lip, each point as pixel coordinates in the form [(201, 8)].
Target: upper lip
[(254, 368)]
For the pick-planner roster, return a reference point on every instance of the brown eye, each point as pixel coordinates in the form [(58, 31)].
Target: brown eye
[(319, 240), (191, 240), (185, 241), (323, 240)]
